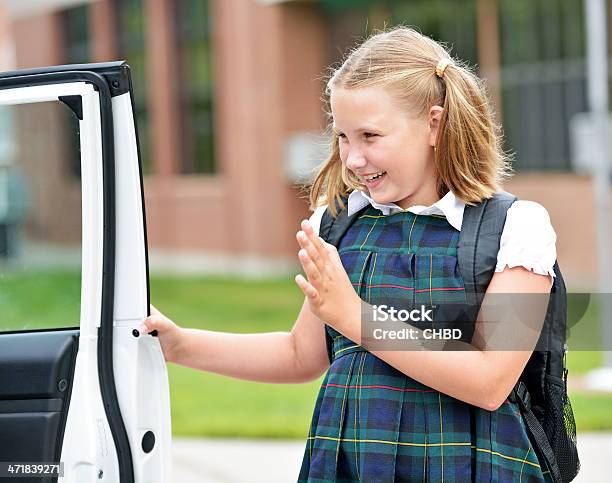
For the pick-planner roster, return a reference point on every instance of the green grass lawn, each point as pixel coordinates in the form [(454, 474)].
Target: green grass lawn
[(206, 404)]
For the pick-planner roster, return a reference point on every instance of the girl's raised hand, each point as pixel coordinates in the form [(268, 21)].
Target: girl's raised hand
[(168, 332), (328, 288)]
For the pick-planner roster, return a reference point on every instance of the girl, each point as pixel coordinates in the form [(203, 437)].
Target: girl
[(414, 141)]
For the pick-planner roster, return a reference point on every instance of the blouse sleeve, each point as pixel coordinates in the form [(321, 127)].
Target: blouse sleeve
[(528, 239), (316, 217)]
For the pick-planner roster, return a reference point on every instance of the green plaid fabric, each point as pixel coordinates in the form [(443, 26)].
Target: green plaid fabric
[(371, 422)]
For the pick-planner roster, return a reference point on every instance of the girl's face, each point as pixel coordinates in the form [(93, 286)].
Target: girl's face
[(387, 149)]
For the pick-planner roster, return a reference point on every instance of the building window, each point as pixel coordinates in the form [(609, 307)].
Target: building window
[(76, 34), (75, 28), (130, 21), (543, 79), (193, 34)]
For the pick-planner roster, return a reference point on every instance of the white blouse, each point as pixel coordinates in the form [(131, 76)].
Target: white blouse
[(527, 240)]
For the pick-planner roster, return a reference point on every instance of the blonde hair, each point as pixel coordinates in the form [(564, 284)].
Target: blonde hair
[(469, 158)]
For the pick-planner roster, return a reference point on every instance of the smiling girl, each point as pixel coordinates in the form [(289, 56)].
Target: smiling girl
[(414, 142)]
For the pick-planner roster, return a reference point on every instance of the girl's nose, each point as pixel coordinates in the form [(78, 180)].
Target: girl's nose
[(355, 160)]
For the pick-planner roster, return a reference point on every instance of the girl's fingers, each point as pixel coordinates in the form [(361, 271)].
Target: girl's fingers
[(316, 241), (306, 287), (332, 251), (149, 324), (312, 272), (307, 245)]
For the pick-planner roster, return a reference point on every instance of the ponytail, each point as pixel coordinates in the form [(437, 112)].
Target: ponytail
[(468, 155)]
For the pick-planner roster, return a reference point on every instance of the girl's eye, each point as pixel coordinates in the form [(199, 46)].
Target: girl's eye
[(367, 135)]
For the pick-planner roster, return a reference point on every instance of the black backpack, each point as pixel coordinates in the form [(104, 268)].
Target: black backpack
[(541, 391)]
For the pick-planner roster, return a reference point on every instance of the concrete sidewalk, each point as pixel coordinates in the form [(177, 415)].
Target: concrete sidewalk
[(235, 460), (256, 461)]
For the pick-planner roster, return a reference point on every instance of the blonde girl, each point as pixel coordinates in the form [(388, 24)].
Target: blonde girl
[(414, 142)]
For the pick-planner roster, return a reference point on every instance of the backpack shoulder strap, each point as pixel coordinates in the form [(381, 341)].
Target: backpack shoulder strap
[(478, 245), (332, 230)]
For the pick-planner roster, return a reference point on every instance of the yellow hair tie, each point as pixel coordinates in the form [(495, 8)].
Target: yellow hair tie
[(441, 67)]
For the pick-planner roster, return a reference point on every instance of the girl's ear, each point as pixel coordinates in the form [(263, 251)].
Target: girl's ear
[(435, 113)]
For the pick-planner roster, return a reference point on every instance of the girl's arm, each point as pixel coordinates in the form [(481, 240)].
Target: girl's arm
[(275, 357), (479, 377)]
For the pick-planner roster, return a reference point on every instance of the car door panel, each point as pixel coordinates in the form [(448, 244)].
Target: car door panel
[(112, 420), (36, 374)]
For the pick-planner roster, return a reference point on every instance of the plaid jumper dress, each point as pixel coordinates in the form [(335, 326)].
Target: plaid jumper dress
[(371, 422)]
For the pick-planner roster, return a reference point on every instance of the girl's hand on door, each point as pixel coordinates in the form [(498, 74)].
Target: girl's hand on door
[(169, 334)]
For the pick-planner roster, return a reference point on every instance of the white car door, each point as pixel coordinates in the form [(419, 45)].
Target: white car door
[(92, 395)]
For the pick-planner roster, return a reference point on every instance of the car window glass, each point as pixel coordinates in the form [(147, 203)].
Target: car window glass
[(40, 217)]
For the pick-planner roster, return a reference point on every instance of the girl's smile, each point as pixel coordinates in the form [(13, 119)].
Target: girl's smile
[(372, 181)]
